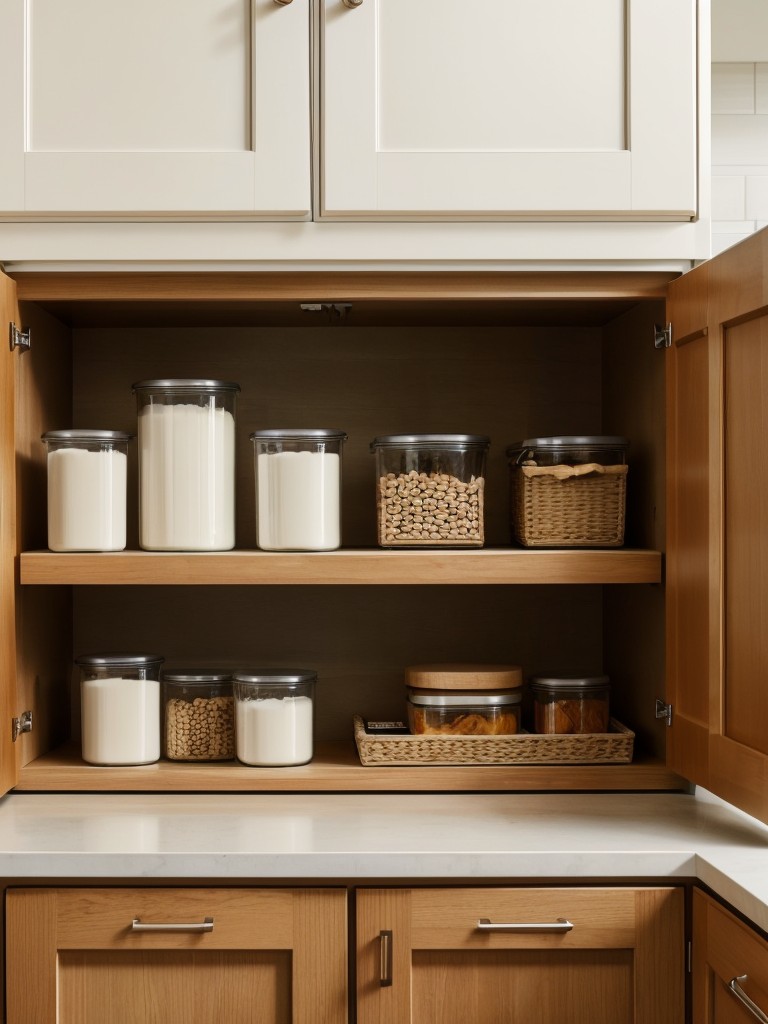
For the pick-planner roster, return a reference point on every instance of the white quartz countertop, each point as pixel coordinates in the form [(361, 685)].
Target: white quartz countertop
[(349, 837)]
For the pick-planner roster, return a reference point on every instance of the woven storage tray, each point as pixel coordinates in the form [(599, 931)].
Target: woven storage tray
[(569, 506), (614, 747)]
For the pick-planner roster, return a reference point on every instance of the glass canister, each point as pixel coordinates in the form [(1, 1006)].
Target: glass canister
[(120, 708), (274, 716), (186, 464), (87, 473), (298, 489), (198, 716), (569, 491), (430, 489), (464, 700), (570, 704)]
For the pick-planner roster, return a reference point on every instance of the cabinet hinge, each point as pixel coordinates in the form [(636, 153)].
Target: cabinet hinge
[(21, 724), (662, 335), (334, 311), (664, 710), (19, 338)]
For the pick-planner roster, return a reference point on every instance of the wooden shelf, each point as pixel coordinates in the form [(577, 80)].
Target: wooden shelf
[(335, 768), (360, 566)]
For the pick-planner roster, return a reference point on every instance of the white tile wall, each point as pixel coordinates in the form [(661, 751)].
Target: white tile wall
[(739, 151)]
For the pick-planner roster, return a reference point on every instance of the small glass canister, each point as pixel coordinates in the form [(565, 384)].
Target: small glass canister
[(464, 700), (198, 716), (570, 704), (430, 489), (87, 473), (120, 708), (274, 716), (186, 464), (298, 489)]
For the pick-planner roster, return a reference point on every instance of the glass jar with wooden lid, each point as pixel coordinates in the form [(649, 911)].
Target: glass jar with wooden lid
[(464, 699)]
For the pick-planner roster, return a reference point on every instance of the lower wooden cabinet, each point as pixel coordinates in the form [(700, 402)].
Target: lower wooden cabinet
[(538, 956), (150, 956), (730, 967)]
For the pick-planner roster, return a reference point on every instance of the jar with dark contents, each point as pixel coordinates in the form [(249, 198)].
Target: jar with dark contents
[(570, 704), (198, 716)]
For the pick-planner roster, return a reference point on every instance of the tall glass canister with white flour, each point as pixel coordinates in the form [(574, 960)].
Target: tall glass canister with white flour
[(120, 708), (298, 489), (186, 464), (274, 716)]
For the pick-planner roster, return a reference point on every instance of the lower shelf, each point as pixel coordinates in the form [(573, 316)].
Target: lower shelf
[(336, 768)]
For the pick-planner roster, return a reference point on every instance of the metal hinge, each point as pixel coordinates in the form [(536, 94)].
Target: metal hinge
[(664, 710), (21, 724), (334, 311), (19, 338), (662, 335)]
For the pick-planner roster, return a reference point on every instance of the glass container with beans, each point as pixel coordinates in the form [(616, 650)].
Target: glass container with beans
[(430, 489), (198, 716), (464, 700), (570, 704)]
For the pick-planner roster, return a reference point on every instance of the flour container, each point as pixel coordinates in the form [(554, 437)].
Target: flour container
[(186, 464), (120, 708), (298, 489), (274, 716), (87, 473)]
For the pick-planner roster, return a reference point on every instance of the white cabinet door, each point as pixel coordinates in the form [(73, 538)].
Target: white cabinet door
[(507, 108), (196, 107)]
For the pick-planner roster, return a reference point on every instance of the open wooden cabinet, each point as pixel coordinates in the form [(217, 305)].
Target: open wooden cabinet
[(510, 355)]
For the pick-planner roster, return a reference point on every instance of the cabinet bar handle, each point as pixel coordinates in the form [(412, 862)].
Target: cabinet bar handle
[(561, 925), (283, 3), (385, 958), (206, 925), (743, 998), (352, 4)]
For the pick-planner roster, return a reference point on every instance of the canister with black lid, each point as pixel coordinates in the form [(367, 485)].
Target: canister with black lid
[(198, 716), (570, 704)]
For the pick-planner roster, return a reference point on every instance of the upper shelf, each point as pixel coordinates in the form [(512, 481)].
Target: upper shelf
[(349, 566)]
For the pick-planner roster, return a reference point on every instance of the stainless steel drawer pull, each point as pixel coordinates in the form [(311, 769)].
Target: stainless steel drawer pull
[(385, 955), (206, 925), (560, 925), (743, 998)]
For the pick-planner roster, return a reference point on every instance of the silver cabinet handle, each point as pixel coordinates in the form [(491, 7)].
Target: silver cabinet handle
[(561, 925), (206, 925), (352, 4), (283, 3), (385, 958), (743, 998)]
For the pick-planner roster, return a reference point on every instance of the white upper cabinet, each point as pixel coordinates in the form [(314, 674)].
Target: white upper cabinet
[(501, 109), (146, 108)]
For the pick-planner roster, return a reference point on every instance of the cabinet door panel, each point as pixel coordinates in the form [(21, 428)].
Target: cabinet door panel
[(422, 958), (155, 108), (271, 956), (8, 706), (436, 108)]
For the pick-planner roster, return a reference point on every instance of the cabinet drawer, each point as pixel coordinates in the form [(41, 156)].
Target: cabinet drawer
[(732, 951), (447, 918)]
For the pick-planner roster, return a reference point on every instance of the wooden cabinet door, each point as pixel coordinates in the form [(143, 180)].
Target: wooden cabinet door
[(730, 967), (423, 956), (273, 956), (717, 569), (435, 108), (8, 708), (155, 108)]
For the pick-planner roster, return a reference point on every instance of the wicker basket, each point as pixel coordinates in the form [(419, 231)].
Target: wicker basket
[(569, 506), (614, 747)]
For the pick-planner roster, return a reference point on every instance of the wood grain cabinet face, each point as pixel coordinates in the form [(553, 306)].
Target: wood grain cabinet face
[(421, 956), (272, 957), (727, 954)]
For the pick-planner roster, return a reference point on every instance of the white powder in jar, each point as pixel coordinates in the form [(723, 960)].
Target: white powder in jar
[(274, 731), (186, 478), (298, 496), (86, 499), (120, 721)]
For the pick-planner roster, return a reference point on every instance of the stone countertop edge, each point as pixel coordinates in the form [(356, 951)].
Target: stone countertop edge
[(386, 836)]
